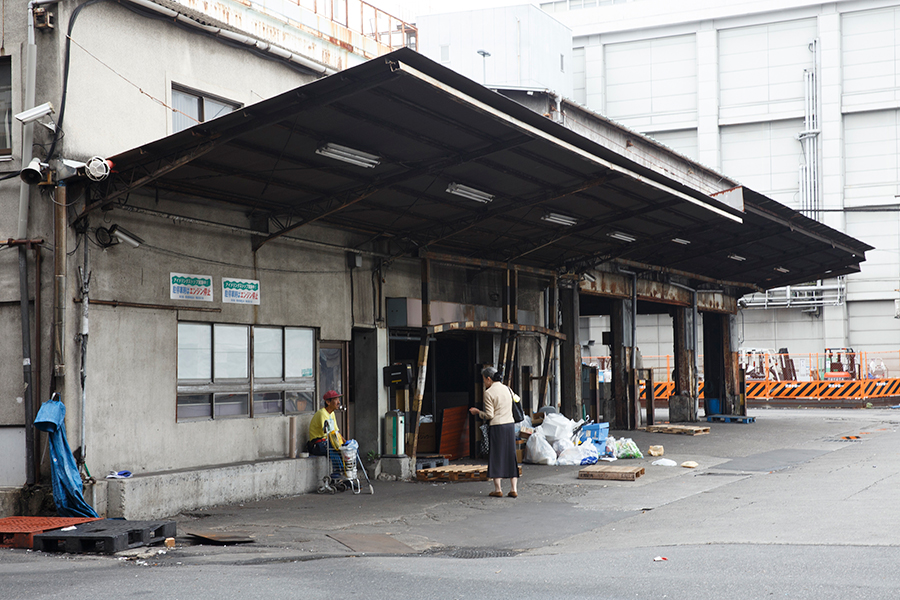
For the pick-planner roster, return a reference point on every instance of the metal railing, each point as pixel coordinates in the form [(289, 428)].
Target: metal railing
[(363, 18), (809, 296), (837, 374)]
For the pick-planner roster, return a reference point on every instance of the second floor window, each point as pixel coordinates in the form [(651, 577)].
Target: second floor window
[(195, 107)]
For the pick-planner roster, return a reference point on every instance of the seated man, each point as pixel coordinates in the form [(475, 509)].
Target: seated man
[(323, 423)]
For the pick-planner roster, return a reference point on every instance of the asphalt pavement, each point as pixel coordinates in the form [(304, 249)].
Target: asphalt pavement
[(794, 495)]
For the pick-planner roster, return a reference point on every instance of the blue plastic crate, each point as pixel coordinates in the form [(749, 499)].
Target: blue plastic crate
[(597, 432)]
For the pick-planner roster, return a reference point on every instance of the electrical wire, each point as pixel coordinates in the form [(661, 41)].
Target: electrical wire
[(167, 252)]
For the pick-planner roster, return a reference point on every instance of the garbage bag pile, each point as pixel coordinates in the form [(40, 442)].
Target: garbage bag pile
[(555, 442)]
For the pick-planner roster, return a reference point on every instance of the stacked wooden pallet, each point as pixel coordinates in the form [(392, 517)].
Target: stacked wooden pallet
[(455, 473), (681, 429), (615, 473)]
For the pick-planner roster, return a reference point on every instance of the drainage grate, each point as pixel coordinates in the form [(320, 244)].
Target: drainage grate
[(473, 553)]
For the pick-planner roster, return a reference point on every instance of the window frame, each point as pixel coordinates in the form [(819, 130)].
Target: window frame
[(6, 65), (219, 391), (202, 97)]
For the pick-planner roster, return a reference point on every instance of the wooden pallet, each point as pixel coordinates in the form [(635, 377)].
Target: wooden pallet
[(730, 419), (616, 473), (455, 473), (682, 429)]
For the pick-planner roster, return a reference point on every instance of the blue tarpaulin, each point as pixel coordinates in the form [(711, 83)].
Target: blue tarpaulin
[(67, 489)]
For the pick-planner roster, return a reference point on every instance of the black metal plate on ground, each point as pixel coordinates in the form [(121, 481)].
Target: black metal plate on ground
[(221, 537), (107, 536)]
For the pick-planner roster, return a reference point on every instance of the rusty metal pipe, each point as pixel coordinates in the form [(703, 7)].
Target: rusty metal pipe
[(60, 243)]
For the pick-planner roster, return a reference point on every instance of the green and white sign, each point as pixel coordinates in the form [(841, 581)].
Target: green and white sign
[(190, 287), (240, 291)]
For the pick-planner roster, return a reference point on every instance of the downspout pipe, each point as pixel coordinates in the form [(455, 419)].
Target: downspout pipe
[(21, 234)]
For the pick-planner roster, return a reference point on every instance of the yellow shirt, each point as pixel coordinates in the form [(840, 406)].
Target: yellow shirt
[(322, 422)]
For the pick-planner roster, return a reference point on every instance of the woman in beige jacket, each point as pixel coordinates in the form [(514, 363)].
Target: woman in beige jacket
[(502, 432)]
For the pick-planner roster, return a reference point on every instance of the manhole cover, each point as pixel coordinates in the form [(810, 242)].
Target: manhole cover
[(474, 553)]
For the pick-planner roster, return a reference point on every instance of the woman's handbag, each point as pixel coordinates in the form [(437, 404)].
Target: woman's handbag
[(517, 411)]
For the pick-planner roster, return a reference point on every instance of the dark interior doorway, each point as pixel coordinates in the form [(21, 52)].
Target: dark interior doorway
[(450, 380)]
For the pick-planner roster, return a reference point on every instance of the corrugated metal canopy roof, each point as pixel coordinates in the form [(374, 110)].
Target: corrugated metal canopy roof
[(432, 127)]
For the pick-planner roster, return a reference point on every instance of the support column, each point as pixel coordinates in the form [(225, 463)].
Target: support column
[(423, 361), (682, 400), (620, 354), (551, 343), (570, 355)]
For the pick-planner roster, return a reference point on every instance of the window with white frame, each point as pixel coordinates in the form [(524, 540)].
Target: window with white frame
[(192, 107), (233, 371)]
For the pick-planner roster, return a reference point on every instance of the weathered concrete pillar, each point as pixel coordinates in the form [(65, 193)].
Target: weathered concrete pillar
[(682, 400), (570, 354), (620, 353)]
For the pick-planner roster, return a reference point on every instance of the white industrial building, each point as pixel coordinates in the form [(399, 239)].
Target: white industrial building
[(795, 99)]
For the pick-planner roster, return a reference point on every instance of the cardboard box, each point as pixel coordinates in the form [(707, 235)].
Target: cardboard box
[(520, 451), (525, 433), (537, 418)]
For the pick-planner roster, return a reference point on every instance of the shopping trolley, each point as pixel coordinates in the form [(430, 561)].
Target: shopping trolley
[(343, 458)]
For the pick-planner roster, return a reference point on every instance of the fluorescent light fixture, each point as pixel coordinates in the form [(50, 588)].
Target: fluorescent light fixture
[(349, 155), (736, 257), (589, 277), (681, 241), (33, 114), (559, 219), (782, 270), (126, 236), (624, 237), (464, 191)]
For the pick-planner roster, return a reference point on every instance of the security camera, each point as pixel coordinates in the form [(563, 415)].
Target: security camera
[(126, 236), (32, 174), (33, 114)]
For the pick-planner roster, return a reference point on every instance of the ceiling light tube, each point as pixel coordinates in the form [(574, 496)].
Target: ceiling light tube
[(464, 191), (782, 270), (736, 257), (349, 155), (681, 241), (560, 219), (624, 237)]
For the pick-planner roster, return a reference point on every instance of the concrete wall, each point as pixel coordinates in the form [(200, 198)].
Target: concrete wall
[(133, 351), (107, 113)]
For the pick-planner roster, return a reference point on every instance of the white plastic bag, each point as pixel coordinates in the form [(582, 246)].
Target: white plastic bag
[(665, 462), (538, 451), (557, 427), (561, 445), (585, 454), (610, 447)]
